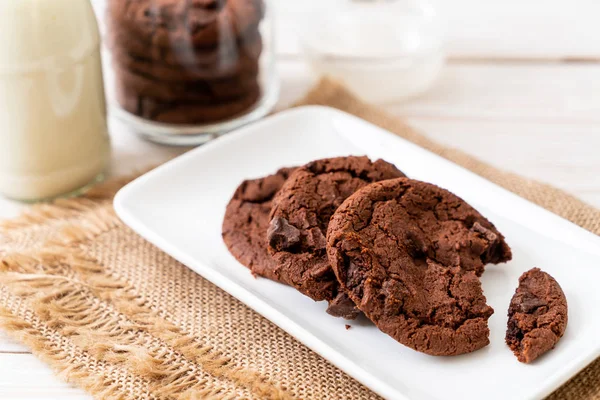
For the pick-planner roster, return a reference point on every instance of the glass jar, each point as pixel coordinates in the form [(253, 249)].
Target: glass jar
[(185, 71), (383, 50), (53, 131)]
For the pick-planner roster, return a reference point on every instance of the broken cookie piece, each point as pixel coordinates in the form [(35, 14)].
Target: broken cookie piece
[(537, 317)]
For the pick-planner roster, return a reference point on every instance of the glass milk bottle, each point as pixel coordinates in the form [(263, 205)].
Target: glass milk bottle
[(53, 131)]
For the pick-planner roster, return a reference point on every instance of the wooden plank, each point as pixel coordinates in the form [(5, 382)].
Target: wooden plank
[(563, 155), (590, 197), (559, 93), (543, 29), (534, 29), (22, 376), (7, 345)]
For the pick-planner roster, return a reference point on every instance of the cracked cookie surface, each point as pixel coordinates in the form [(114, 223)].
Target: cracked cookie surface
[(299, 220), (409, 254), (537, 316), (247, 220)]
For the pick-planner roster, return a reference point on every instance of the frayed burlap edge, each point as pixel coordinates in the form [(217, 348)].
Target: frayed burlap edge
[(61, 271), (101, 385), (52, 281)]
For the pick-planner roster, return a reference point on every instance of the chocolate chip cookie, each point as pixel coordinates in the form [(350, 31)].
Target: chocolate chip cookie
[(182, 112), (246, 222), (299, 220), (186, 62), (185, 56), (241, 64), (408, 254), (199, 92), (169, 23), (537, 317)]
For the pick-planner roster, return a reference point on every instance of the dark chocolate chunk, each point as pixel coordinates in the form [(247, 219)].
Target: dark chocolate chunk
[(342, 306), (282, 235)]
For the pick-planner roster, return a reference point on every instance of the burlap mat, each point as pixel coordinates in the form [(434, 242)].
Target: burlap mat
[(112, 314)]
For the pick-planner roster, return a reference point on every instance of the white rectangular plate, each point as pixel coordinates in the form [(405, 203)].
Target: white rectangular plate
[(179, 207)]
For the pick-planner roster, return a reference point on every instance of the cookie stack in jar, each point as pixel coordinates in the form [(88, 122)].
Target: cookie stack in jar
[(186, 62)]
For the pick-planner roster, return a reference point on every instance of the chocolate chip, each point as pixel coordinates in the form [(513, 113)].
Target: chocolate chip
[(342, 306), (393, 288), (416, 245), (488, 234), (282, 235), (321, 271), (316, 239), (495, 249), (352, 274), (529, 303), (513, 332)]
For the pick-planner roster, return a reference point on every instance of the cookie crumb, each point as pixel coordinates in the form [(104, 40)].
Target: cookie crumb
[(348, 327)]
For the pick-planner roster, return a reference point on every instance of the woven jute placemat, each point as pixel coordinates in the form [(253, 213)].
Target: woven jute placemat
[(114, 315)]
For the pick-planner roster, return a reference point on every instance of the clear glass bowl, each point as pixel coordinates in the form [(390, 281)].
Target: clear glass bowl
[(383, 50), (182, 73)]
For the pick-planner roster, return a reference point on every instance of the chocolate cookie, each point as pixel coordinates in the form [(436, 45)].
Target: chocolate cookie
[(202, 92), (300, 216), (185, 112), (225, 53), (174, 23), (242, 65), (246, 222), (537, 317), (408, 254)]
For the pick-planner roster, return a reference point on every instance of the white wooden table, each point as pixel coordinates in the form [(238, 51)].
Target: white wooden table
[(521, 90)]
